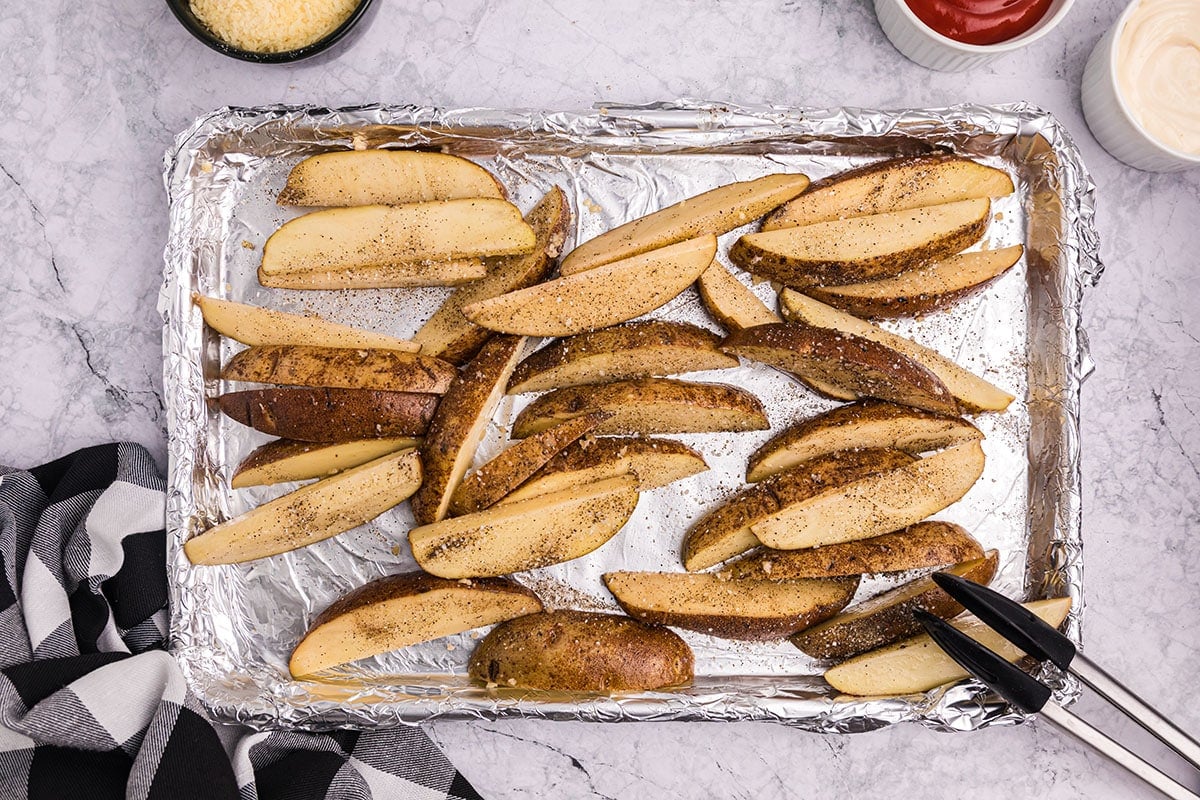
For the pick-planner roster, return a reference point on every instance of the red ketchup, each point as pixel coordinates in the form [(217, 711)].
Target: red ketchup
[(979, 21)]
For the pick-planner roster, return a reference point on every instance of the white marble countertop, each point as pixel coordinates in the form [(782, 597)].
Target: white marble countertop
[(93, 93)]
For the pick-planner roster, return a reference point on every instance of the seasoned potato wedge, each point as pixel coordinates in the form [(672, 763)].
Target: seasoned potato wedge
[(893, 185), (580, 651), (730, 301), (888, 617), (301, 365), (330, 415), (451, 272), (400, 610), (647, 405), (918, 664), (725, 531), (714, 212), (600, 297), (311, 513), (632, 350), (862, 248), (972, 392), (533, 533), (285, 460), (730, 608), (254, 325), (875, 504), (450, 335), (385, 177), (868, 423)]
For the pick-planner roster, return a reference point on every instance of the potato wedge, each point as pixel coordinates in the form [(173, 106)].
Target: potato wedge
[(725, 531), (330, 415), (918, 664), (868, 423), (647, 405), (925, 544), (450, 335), (633, 350), (580, 651), (544, 530), (302, 365), (397, 611), (972, 392), (385, 177), (254, 325), (490, 483), (923, 290), (450, 272), (729, 608), (856, 364), (730, 301), (598, 298), (654, 462), (285, 460), (893, 185), (876, 504), (713, 212), (458, 426), (862, 248), (310, 514), (888, 617)]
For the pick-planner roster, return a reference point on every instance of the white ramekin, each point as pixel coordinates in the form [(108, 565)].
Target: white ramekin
[(1110, 119), (929, 48)]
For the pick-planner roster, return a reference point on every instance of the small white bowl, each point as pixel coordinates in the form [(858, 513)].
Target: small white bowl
[(927, 47), (1109, 117)]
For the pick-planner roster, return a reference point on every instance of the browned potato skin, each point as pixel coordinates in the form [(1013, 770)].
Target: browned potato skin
[(346, 368), (330, 415), (580, 651), (593, 452), (925, 544)]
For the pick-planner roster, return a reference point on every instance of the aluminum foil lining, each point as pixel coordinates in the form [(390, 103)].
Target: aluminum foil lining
[(233, 627)]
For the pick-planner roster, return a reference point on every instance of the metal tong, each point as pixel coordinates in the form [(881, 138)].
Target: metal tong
[(1037, 639)]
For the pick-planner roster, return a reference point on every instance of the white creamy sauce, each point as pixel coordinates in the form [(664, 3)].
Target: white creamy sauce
[(1158, 70)]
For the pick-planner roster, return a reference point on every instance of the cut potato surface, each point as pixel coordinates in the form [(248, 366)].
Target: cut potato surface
[(330, 415), (450, 272), (284, 460), (730, 301), (385, 177), (302, 365), (254, 325), (402, 610), (752, 610)]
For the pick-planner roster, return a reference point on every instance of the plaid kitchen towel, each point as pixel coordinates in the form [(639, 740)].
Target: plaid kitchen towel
[(91, 705)]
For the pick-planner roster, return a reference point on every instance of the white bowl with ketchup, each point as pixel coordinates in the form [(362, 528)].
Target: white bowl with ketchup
[(956, 35)]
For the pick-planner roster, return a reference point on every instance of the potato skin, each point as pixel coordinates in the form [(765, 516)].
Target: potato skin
[(330, 415), (346, 368), (581, 651)]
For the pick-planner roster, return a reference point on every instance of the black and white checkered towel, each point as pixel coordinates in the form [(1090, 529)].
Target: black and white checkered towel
[(91, 706)]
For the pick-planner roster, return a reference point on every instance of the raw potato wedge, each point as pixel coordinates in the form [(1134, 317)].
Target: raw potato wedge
[(397, 611), (853, 363), (370, 236), (918, 664), (654, 462), (385, 177), (971, 391), (330, 415), (490, 483), (254, 325), (877, 504), (730, 301), (888, 617), (450, 272), (868, 423), (714, 212), (893, 185), (923, 290), (598, 298), (301, 365), (751, 610), (580, 651), (533, 533), (862, 248), (647, 405), (632, 350), (310, 514), (725, 531), (925, 544), (458, 426), (450, 335), (284, 460)]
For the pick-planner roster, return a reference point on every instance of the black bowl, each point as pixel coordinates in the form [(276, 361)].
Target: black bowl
[(182, 9)]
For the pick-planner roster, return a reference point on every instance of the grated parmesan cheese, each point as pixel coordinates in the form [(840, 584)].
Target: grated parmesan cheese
[(271, 26)]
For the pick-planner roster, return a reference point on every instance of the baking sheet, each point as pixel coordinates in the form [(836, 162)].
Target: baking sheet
[(233, 627)]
